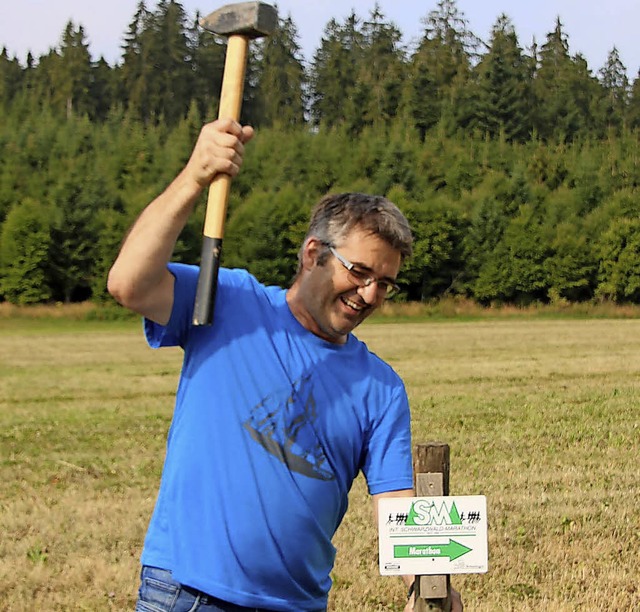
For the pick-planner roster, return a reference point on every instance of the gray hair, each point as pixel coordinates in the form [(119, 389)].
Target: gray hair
[(334, 217)]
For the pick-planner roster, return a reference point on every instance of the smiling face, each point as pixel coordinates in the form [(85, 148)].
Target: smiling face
[(323, 297)]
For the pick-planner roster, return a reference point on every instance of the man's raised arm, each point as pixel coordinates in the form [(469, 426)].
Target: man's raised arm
[(139, 279)]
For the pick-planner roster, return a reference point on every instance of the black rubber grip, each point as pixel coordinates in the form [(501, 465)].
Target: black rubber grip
[(207, 281)]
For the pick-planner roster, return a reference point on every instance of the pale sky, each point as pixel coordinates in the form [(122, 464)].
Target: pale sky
[(593, 27)]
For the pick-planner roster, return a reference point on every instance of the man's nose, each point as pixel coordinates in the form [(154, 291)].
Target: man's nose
[(369, 293)]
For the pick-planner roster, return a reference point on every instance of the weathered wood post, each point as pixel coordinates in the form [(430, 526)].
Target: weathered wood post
[(431, 469)]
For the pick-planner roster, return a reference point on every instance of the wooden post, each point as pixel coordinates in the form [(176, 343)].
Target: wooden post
[(431, 469)]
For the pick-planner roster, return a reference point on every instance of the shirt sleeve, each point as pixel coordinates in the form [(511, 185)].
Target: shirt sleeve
[(174, 333), (388, 463)]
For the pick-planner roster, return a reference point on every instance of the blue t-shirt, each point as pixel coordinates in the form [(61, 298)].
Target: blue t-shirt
[(271, 426)]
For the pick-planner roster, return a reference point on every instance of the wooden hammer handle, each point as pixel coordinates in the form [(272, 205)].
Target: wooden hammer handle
[(218, 197)]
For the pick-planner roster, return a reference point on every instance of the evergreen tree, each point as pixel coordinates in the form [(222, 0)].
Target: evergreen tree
[(135, 74), (42, 81), (171, 81), (281, 78), (380, 72), (586, 90), (615, 83), (77, 194), (435, 266), (550, 88), (112, 226), (456, 46), (25, 241), (333, 71), (572, 265), (11, 76), (563, 90), (265, 232), (101, 90), (422, 98), (516, 270), (71, 80), (28, 97), (633, 114), (441, 70), (504, 86), (208, 52), (619, 274), (497, 201)]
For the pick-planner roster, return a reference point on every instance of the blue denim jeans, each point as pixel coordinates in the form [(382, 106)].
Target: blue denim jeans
[(159, 592)]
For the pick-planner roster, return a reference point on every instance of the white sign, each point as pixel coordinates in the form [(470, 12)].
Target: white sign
[(433, 535)]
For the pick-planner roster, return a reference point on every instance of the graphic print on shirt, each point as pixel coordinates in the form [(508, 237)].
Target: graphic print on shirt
[(284, 425)]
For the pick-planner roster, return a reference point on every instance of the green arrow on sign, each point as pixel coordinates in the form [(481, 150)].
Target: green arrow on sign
[(453, 550)]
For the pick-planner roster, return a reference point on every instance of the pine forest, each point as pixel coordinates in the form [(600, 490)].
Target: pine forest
[(517, 163)]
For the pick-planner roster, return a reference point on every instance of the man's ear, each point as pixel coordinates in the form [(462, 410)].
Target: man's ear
[(311, 252)]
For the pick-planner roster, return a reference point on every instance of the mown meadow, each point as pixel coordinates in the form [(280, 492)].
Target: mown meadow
[(542, 415)]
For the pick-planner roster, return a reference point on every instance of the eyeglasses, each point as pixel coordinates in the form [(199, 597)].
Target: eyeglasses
[(363, 279)]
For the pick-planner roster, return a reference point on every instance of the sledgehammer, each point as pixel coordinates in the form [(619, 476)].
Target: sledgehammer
[(240, 23)]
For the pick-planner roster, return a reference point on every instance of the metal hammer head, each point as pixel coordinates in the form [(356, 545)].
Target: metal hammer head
[(251, 19)]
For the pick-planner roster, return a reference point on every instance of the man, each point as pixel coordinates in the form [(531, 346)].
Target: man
[(279, 406)]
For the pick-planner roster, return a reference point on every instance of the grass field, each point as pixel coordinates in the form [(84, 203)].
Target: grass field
[(542, 417)]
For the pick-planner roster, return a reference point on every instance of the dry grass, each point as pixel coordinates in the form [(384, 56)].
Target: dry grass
[(48, 311), (542, 416), (446, 308), (461, 308)]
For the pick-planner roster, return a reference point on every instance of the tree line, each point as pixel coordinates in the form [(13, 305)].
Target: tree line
[(517, 168)]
